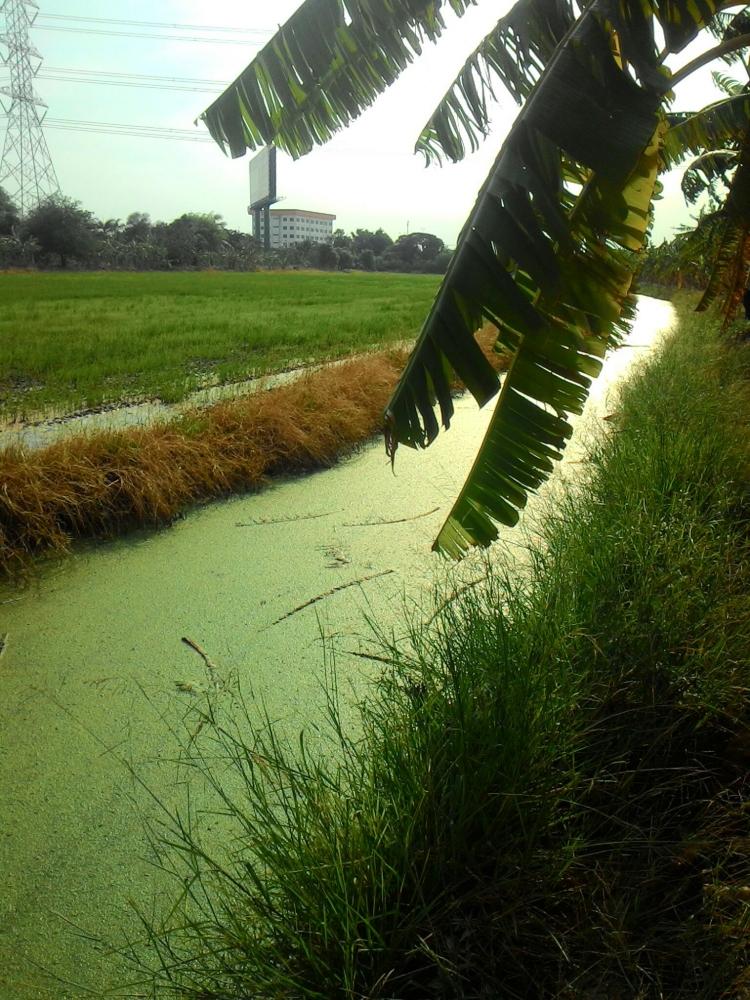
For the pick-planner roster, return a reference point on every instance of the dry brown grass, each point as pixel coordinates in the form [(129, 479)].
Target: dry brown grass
[(99, 485)]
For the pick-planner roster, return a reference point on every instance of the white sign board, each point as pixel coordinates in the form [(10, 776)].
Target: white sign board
[(263, 178)]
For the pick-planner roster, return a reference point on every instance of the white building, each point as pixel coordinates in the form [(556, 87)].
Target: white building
[(290, 226)]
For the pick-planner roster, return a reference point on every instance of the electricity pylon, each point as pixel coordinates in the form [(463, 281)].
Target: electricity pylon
[(26, 170)]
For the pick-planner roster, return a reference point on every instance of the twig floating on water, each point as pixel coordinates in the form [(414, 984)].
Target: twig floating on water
[(329, 593), (213, 670), (283, 520), (399, 520), (374, 657), (3, 642)]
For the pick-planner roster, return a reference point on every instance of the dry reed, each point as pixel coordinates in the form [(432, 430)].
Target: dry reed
[(100, 484)]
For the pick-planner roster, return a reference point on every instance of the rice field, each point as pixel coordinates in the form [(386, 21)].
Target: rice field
[(70, 342)]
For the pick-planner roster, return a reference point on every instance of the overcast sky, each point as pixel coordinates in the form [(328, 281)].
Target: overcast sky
[(368, 176)]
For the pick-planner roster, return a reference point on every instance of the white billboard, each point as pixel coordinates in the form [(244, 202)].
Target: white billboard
[(263, 178)]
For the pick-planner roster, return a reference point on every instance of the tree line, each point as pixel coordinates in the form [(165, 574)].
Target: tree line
[(59, 232)]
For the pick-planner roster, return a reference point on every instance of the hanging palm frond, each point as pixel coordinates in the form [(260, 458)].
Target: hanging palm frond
[(540, 263), (327, 63), (730, 86), (728, 26), (703, 173), (515, 52), (714, 127), (681, 21), (730, 269)]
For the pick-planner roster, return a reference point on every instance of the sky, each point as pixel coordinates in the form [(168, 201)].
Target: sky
[(368, 175)]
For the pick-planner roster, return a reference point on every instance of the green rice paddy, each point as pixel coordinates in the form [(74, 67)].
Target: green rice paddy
[(74, 341)]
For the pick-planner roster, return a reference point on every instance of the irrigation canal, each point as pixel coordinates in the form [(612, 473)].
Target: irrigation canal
[(94, 670)]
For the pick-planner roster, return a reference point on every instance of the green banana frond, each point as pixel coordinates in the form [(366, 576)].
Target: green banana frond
[(687, 256), (717, 126), (552, 368), (730, 271), (730, 86), (727, 26), (702, 174), (515, 53), (681, 21), (539, 259), (323, 67)]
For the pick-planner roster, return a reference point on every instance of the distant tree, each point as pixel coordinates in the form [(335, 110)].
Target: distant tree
[(324, 256), (190, 237), (110, 228), (15, 252), (301, 254), (137, 227), (341, 241), (239, 251), (209, 229), (9, 217), (346, 259), (416, 249), (367, 260), (62, 228), (365, 239), (439, 264)]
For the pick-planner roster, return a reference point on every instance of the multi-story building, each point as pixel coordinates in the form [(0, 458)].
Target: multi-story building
[(290, 226)]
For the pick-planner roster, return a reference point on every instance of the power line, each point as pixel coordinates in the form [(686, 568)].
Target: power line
[(130, 83), (136, 76), (159, 128), (142, 34), (159, 24), (133, 131)]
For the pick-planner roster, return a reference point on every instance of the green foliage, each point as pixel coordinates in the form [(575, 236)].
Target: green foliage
[(9, 216), (191, 236), (62, 228), (377, 242), (416, 251), (722, 234), (703, 174), (685, 260), (547, 793)]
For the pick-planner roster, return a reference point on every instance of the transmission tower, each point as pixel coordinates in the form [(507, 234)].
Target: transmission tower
[(26, 170)]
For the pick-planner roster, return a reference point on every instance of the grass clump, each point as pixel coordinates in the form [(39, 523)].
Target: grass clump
[(547, 793)]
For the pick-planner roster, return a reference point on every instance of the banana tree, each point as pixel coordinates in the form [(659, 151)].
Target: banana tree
[(722, 172), (541, 254)]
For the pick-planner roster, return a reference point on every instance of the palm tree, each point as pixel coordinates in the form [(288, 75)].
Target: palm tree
[(541, 254)]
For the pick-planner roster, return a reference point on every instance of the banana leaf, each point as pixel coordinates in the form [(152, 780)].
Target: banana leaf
[(703, 173), (515, 53), (324, 66), (715, 126)]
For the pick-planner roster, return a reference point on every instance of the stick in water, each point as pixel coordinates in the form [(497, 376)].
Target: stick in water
[(329, 593), (213, 671)]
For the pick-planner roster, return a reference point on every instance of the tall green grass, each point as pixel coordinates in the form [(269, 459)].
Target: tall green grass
[(546, 793), (71, 341)]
